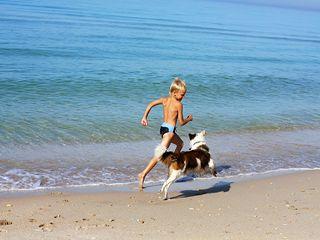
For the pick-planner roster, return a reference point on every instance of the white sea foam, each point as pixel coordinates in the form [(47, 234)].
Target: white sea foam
[(124, 185)]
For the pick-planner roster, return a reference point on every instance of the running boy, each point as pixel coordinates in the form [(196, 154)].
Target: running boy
[(172, 111)]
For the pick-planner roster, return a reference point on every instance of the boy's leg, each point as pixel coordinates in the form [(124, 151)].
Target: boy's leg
[(178, 142), (165, 143)]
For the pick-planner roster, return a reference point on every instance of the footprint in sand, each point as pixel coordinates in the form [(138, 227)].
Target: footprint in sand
[(46, 227), (5, 222)]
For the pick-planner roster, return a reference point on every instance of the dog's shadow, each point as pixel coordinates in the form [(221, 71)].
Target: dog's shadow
[(221, 186)]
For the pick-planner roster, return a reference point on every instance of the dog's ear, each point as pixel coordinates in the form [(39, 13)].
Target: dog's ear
[(191, 136), (203, 132)]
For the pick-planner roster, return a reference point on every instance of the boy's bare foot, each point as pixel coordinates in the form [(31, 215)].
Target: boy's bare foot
[(141, 180)]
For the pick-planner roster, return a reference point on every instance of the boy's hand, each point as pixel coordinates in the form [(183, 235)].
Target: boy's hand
[(144, 122), (189, 117)]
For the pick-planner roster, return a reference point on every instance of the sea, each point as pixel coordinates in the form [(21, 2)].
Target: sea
[(76, 77)]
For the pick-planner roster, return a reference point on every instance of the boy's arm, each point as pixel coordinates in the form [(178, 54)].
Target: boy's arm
[(144, 120), (181, 120)]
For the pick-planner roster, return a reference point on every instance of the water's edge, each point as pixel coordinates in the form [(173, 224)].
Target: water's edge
[(184, 183)]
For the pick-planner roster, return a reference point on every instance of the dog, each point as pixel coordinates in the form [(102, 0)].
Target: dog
[(196, 160)]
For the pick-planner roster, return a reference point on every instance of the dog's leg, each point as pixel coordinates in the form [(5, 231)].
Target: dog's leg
[(212, 168), (164, 184), (162, 188), (174, 174)]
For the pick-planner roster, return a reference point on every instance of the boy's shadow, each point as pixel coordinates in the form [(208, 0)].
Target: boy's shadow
[(221, 186)]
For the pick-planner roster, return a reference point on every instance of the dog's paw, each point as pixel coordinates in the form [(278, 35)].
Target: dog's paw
[(165, 197), (214, 173)]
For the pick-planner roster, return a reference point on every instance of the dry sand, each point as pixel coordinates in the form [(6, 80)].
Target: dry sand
[(281, 207)]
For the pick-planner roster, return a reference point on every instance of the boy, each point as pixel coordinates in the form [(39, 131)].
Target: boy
[(172, 111)]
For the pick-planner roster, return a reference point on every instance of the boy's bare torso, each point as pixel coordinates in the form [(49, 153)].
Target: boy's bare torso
[(170, 110)]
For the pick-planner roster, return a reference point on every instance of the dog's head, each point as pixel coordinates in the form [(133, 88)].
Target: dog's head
[(197, 139)]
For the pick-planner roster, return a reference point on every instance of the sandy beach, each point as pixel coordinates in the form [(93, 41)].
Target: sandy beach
[(279, 207), (77, 78)]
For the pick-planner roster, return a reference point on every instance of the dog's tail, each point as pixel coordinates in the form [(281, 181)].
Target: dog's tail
[(168, 158), (159, 151)]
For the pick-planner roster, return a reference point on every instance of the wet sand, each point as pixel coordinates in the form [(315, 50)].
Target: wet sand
[(278, 207)]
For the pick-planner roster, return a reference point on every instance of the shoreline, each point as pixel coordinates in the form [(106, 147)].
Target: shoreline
[(185, 182), (277, 207)]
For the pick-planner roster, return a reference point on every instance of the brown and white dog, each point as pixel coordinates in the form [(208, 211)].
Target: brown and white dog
[(197, 160)]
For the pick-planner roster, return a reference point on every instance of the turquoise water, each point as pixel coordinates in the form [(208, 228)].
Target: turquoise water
[(79, 73)]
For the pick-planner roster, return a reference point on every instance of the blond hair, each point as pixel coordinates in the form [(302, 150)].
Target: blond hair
[(177, 85)]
